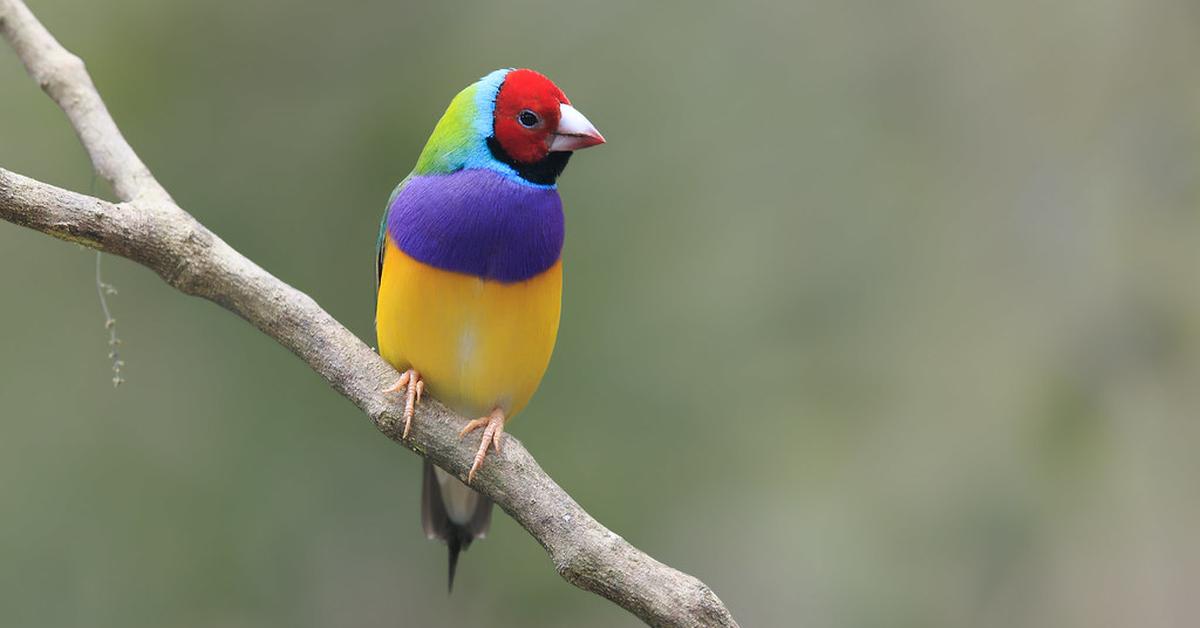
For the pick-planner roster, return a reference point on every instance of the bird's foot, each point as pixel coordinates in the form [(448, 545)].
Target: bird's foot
[(493, 429), (413, 386)]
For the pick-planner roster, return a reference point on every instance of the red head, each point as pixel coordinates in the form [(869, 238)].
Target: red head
[(533, 118)]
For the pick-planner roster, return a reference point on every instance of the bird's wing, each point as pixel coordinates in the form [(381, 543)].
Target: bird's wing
[(381, 242)]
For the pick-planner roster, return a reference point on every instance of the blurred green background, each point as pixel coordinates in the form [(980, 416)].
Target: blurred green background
[(877, 314)]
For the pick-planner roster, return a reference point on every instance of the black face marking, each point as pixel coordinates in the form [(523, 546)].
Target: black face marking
[(544, 171)]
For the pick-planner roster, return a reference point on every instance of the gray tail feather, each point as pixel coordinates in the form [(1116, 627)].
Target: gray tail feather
[(438, 525), (454, 543)]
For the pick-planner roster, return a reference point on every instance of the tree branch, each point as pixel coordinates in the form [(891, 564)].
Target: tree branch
[(148, 227)]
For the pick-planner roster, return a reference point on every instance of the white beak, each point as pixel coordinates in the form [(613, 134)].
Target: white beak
[(574, 131)]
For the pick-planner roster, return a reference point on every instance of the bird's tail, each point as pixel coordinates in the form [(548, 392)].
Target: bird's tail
[(452, 512)]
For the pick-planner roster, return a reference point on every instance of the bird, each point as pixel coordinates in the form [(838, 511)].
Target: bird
[(469, 273)]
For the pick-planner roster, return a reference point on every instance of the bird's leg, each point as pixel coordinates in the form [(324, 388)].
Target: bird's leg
[(411, 383), (493, 429)]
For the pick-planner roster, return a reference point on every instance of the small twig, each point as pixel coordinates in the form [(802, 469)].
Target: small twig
[(110, 323)]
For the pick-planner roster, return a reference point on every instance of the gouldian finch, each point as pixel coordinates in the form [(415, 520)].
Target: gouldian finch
[(470, 272)]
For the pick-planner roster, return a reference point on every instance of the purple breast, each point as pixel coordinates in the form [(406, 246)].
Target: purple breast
[(478, 222)]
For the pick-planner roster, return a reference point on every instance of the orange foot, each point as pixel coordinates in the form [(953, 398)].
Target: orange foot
[(493, 429), (412, 395)]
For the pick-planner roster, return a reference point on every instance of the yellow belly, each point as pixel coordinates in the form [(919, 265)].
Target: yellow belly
[(478, 344)]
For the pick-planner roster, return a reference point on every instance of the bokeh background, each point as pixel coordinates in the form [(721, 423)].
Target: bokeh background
[(877, 314)]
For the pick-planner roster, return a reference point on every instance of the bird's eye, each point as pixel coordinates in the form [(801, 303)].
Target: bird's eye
[(528, 119)]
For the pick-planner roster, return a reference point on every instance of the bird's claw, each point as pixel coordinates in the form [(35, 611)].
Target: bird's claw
[(412, 395), (493, 429)]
